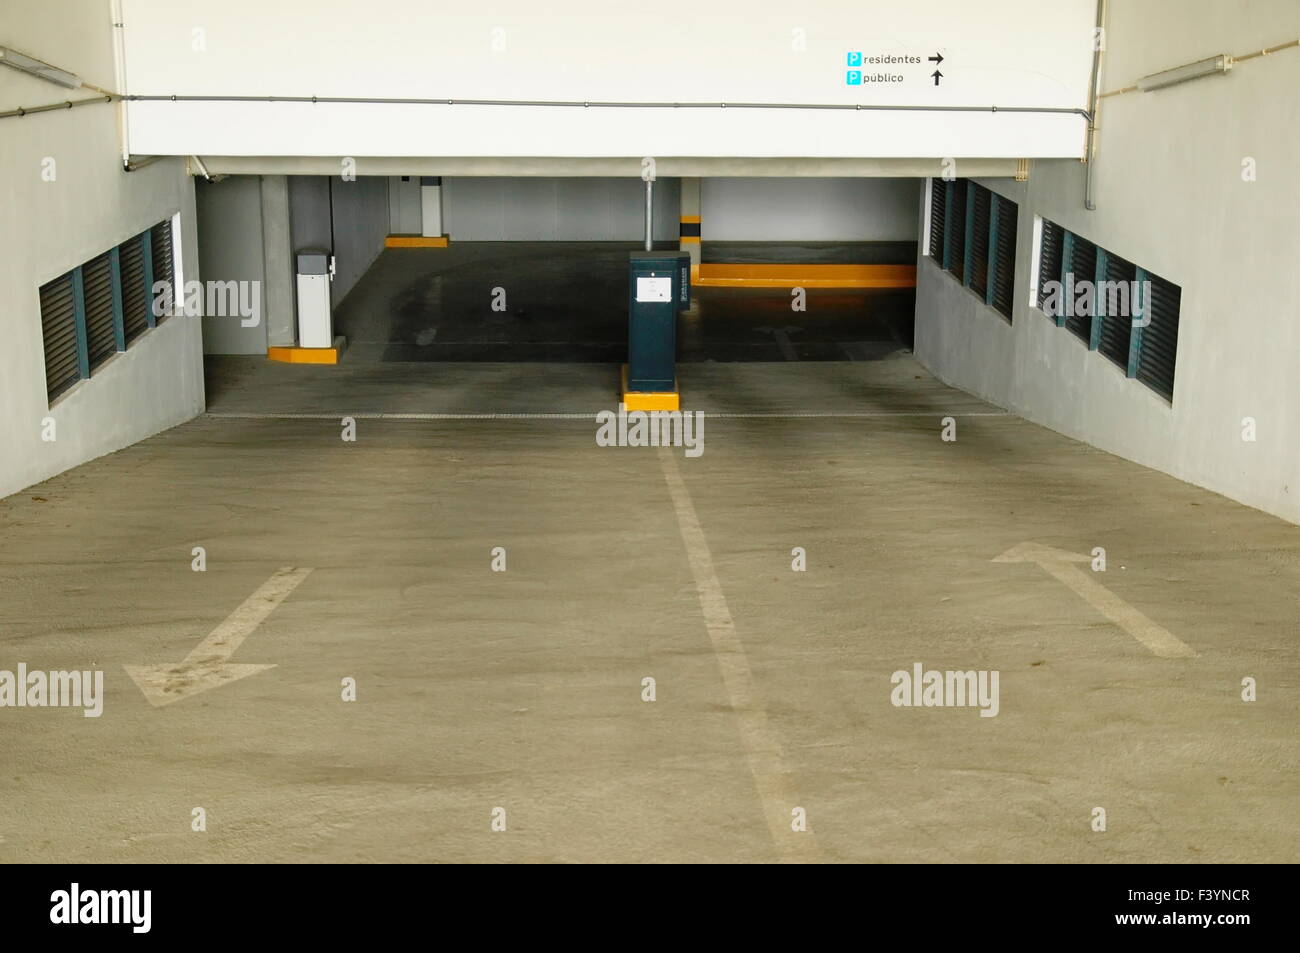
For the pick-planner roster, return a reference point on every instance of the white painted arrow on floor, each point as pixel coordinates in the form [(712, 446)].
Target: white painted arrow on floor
[(208, 665), (1063, 566)]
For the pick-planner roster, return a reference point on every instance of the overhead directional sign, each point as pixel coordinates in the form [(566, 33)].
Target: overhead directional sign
[(885, 69)]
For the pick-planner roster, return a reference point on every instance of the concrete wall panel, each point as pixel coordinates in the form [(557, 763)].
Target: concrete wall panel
[(52, 225), (1171, 198), (812, 209), (542, 208)]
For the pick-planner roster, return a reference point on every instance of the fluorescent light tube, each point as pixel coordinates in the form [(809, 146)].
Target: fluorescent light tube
[(1213, 66), (37, 68)]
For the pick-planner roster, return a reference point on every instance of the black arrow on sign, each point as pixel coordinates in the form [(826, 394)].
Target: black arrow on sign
[(936, 59), (936, 74)]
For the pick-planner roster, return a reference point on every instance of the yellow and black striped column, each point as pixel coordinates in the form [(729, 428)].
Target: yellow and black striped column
[(688, 239)]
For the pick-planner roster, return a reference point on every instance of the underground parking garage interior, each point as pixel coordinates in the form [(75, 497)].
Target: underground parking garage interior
[(864, 433)]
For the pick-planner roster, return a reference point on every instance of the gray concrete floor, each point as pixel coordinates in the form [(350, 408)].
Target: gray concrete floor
[(522, 689)]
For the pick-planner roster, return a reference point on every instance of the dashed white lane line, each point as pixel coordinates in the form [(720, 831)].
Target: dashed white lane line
[(767, 764)]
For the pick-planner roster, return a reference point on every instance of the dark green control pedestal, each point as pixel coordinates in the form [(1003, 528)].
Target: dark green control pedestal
[(659, 285)]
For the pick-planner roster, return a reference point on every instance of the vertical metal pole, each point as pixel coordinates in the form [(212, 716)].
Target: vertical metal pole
[(1094, 103), (649, 214)]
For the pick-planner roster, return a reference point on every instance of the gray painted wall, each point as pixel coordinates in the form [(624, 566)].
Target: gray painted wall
[(52, 226), (808, 209), (1171, 198), (231, 249), (361, 222), (360, 227), (309, 209), (555, 209), (249, 228)]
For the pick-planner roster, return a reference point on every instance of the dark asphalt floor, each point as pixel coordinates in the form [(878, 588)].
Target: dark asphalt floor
[(566, 302)]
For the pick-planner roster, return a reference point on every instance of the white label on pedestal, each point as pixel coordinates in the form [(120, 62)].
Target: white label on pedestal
[(654, 289)]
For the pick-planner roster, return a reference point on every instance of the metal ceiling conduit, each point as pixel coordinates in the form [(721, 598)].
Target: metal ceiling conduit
[(407, 101), (54, 107), (1094, 91), (60, 77)]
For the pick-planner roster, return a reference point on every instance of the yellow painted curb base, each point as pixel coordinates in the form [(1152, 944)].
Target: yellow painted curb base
[(649, 400), (804, 276), (304, 355), (416, 241)]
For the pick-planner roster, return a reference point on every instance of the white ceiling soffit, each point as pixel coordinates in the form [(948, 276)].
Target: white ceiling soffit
[(621, 167), (832, 79)]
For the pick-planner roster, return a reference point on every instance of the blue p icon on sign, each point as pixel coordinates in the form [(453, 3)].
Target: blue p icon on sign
[(855, 59), (854, 78)]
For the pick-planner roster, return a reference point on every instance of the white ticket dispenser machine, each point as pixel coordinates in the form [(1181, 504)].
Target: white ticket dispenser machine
[(315, 323)]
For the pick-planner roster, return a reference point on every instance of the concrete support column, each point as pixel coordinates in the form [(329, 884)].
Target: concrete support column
[(689, 234), (404, 205), (277, 258), (431, 205)]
